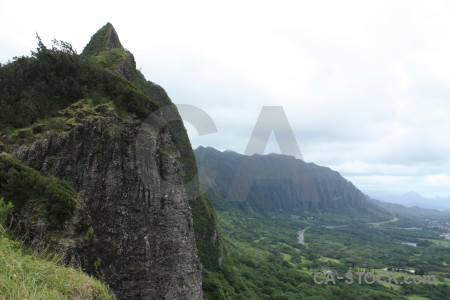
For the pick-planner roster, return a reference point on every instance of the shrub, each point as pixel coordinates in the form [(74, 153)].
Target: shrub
[(5, 210), (23, 185)]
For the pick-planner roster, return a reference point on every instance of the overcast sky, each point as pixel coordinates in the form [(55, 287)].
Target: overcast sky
[(365, 84)]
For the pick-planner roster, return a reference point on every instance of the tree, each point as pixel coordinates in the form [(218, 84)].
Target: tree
[(5, 210)]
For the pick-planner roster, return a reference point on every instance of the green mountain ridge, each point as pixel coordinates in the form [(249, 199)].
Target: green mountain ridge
[(413, 212), (274, 182)]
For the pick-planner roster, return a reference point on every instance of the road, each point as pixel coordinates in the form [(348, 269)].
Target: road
[(301, 233), (395, 219), (301, 236)]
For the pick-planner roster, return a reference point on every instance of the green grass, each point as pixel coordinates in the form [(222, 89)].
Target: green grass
[(286, 257), (417, 297), (329, 259), (24, 275), (111, 57), (443, 243)]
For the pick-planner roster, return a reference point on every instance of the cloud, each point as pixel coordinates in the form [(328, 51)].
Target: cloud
[(364, 84)]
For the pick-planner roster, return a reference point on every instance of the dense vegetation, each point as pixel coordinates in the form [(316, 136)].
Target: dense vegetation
[(36, 87), (220, 278), (266, 254), (23, 186)]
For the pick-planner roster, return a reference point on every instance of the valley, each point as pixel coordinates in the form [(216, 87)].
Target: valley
[(276, 241), (278, 262)]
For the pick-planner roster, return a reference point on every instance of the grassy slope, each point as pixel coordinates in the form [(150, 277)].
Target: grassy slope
[(24, 275)]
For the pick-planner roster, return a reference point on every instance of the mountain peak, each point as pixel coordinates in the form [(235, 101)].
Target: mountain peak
[(106, 38)]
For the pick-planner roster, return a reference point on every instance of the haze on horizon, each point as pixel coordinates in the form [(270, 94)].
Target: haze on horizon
[(365, 84)]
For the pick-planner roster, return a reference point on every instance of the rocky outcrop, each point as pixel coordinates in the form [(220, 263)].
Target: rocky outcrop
[(134, 231), (126, 66), (137, 186), (103, 40)]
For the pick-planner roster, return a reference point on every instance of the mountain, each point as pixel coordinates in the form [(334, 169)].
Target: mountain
[(274, 182), (412, 212), (123, 212), (282, 220), (414, 199)]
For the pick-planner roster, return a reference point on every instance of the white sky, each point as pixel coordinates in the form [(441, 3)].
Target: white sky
[(365, 84)]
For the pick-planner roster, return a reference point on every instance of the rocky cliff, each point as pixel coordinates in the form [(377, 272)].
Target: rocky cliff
[(275, 182), (132, 224), (142, 239)]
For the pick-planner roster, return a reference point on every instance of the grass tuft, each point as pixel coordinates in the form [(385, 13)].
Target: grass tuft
[(24, 275)]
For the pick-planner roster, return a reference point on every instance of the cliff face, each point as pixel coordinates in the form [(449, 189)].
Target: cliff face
[(142, 241), (132, 224), (277, 182)]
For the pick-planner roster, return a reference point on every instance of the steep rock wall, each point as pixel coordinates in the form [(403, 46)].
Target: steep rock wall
[(135, 231)]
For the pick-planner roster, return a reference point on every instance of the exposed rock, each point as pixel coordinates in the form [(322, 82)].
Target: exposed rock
[(126, 66), (111, 39), (133, 225), (136, 231), (22, 134)]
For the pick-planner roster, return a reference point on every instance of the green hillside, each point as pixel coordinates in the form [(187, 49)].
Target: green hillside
[(24, 275), (266, 184)]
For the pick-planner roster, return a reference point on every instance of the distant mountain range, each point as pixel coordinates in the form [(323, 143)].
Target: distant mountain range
[(412, 213), (279, 183), (411, 199)]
